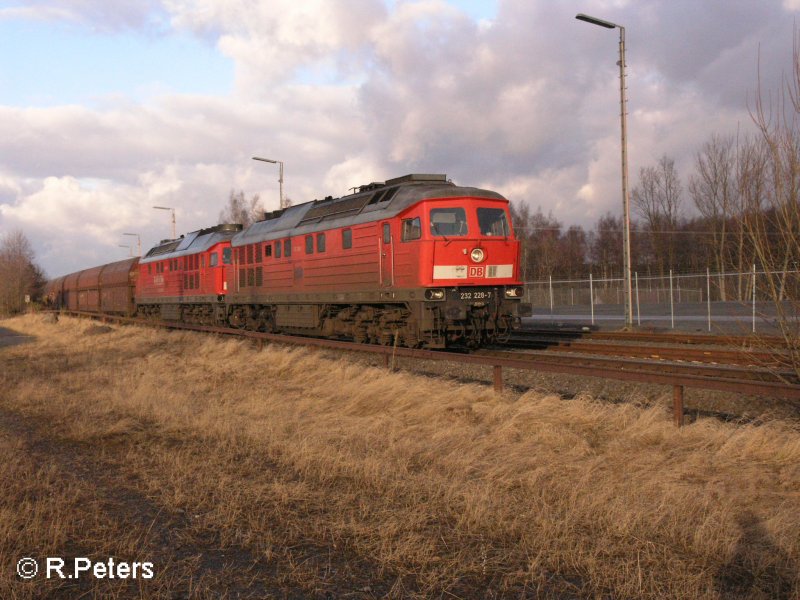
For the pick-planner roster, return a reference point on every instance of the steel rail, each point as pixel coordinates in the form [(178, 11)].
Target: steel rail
[(679, 368), (600, 367), (746, 357)]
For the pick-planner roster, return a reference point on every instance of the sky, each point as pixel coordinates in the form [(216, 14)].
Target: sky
[(111, 107)]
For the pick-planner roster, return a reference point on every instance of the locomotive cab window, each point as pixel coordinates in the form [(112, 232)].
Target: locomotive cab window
[(277, 249), (267, 250), (226, 256), (309, 244), (448, 222), (387, 233), (493, 222), (320, 242), (411, 229), (347, 238), (212, 262), (287, 248)]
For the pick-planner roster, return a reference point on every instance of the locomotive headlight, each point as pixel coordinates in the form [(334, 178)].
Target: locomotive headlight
[(514, 292), (477, 255), (434, 294)]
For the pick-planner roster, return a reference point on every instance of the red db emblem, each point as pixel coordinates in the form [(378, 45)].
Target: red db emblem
[(477, 271)]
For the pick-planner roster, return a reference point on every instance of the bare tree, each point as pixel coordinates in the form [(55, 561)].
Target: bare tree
[(241, 210), (606, 246), (657, 198), (573, 251), (712, 189), (19, 274), (775, 229)]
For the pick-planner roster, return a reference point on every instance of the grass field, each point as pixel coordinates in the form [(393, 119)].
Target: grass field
[(297, 474)]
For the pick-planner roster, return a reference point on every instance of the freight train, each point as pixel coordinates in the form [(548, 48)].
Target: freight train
[(416, 261)]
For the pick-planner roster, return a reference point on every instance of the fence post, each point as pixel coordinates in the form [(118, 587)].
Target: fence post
[(708, 296), (638, 309), (754, 298), (498, 379), (591, 296), (671, 304), (677, 404)]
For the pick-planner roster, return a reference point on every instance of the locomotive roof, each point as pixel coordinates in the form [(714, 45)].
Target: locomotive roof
[(371, 202), (192, 243)]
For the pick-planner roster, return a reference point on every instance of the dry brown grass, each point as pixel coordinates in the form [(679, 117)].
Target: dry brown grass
[(262, 474)]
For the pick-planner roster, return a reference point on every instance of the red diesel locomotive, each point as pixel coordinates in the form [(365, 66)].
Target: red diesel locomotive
[(416, 261)]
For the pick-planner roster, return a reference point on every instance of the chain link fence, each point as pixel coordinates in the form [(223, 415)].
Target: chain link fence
[(740, 300)]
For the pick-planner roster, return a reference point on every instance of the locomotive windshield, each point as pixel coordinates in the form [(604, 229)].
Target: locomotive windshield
[(450, 222), (492, 221)]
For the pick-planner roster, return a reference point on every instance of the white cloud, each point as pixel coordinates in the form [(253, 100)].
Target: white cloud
[(351, 92)]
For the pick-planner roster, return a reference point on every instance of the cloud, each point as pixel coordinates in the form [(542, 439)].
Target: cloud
[(346, 93), (100, 15)]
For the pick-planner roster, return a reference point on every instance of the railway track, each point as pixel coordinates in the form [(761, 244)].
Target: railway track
[(653, 347), (750, 380), (603, 363)]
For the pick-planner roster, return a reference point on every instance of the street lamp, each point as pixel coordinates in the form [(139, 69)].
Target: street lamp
[(130, 250), (138, 241), (280, 174), (626, 230), (174, 235)]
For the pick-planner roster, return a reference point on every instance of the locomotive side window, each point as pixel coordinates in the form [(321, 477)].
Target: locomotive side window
[(287, 247), (448, 222), (412, 230), (492, 221), (267, 250), (347, 238), (387, 234), (277, 249), (226, 256), (212, 261), (320, 242), (309, 244)]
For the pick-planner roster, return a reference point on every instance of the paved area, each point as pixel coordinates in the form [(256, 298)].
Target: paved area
[(724, 317), (9, 337)]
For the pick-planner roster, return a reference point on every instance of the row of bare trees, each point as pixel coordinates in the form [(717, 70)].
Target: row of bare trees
[(733, 189), (20, 276)]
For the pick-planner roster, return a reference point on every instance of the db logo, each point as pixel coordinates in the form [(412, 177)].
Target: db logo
[(477, 271)]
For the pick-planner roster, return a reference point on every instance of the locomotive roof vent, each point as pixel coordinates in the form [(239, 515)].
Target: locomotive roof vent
[(370, 186), (419, 178), (268, 216)]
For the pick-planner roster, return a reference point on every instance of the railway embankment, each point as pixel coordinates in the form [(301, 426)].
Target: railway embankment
[(298, 473)]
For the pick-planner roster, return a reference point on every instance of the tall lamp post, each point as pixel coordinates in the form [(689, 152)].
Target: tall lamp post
[(130, 250), (174, 235), (138, 241), (626, 229), (280, 174)]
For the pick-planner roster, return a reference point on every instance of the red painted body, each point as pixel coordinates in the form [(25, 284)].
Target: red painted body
[(189, 277), (378, 261)]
